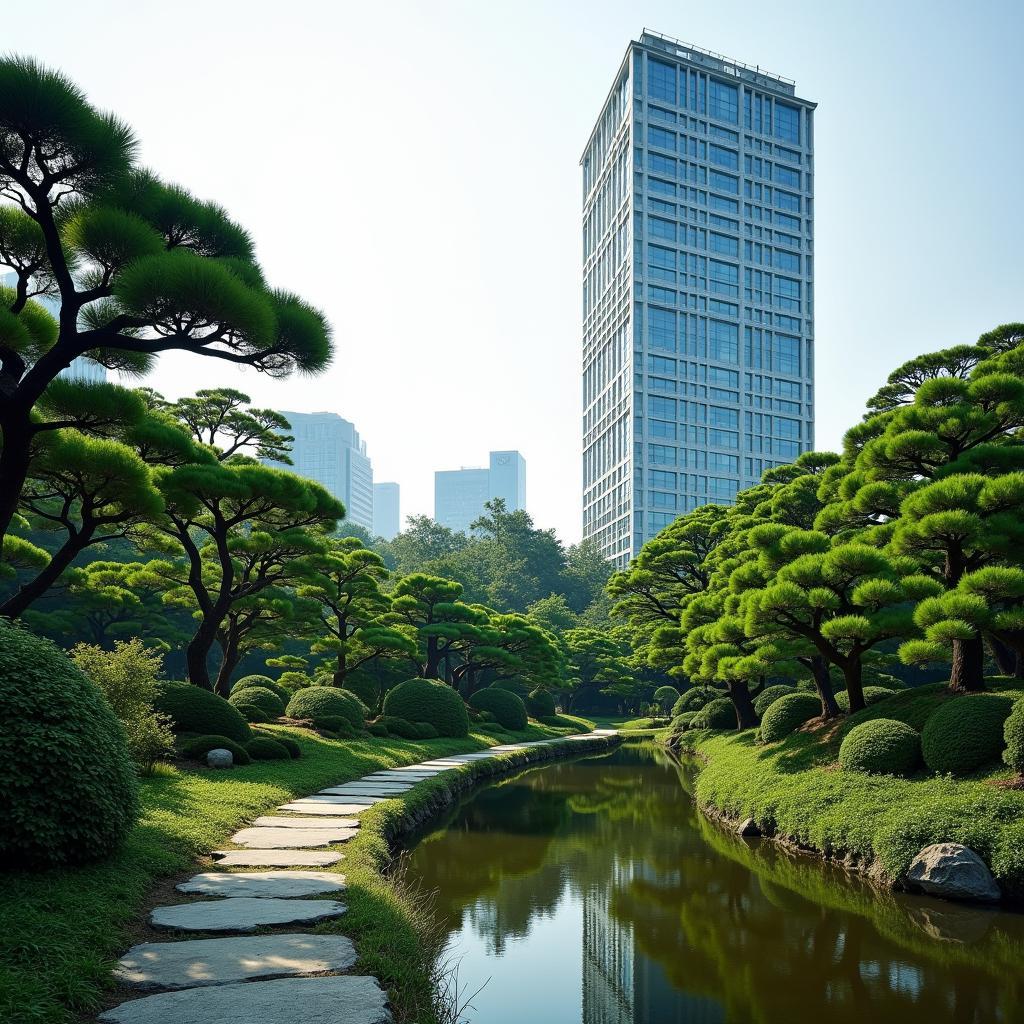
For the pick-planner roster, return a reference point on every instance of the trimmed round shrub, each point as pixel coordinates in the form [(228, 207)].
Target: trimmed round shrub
[(364, 686), (338, 725), (264, 682), (695, 699), (516, 686), (495, 730), (872, 695), (293, 748), (682, 722), (787, 714), (882, 746), (540, 704), (428, 700), (193, 709), (508, 708), (426, 731), (966, 733), (289, 682), (401, 727), (665, 697), (253, 713), (263, 748), (321, 702), (378, 729), (716, 714), (768, 696), (198, 747), (68, 790), (264, 698), (1013, 736)]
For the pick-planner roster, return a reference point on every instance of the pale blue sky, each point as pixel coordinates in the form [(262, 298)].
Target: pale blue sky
[(412, 168)]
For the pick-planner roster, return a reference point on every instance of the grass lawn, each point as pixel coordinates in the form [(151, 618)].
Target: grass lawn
[(62, 930), (796, 789), (628, 723)]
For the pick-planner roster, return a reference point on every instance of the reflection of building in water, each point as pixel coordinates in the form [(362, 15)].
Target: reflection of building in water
[(622, 985)]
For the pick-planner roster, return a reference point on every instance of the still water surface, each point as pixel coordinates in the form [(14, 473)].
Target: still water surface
[(592, 892)]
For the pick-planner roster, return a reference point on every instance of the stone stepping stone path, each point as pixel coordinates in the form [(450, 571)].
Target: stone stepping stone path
[(195, 962), (269, 979), (340, 1000), (243, 914), (282, 884)]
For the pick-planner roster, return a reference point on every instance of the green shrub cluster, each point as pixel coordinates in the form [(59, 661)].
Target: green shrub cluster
[(682, 722), (261, 697), (882, 747), (197, 747), (872, 695), (293, 748), (540, 704), (507, 707), (264, 748), (265, 683), (787, 714), (426, 731), (716, 714), (400, 727), (769, 695), (965, 733), (694, 699), (665, 697), (193, 709), (1013, 736), (428, 700), (365, 687), (378, 729), (318, 703), (516, 686), (337, 725), (252, 713), (68, 789)]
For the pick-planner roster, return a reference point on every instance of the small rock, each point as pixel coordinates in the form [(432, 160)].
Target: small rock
[(219, 758), (748, 828), (953, 872)]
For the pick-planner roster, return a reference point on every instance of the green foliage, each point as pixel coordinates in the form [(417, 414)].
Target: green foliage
[(694, 699), (540, 704), (283, 692), (965, 733), (682, 721), (252, 713), (318, 703), (768, 696), (264, 748), (193, 709), (787, 714), (1013, 736), (872, 695), (197, 747), (378, 729), (516, 686), (425, 731), (427, 700), (337, 724), (263, 697), (665, 697), (508, 708), (400, 727), (716, 714), (67, 778), (882, 746), (365, 687)]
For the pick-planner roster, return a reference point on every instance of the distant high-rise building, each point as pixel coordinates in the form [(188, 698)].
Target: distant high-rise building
[(698, 316), (328, 449), (460, 494), (386, 516)]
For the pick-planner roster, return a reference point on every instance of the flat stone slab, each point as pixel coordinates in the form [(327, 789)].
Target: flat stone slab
[(276, 858), (282, 821), (362, 792), (380, 786), (242, 914), (330, 796), (331, 807), (340, 1000), (299, 838), (283, 884), (195, 962), (414, 768), (426, 773)]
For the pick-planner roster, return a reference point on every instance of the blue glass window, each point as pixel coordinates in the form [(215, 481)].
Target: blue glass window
[(659, 364), (661, 454), (659, 499), (787, 176), (719, 417), (725, 182), (724, 157), (661, 257), (787, 122), (722, 488), (724, 278), (665, 295), (724, 345), (728, 308), (786, 354), (724, 438), (786, 260), (661, 164), (721, 203), (724, 244), (663, 407), (661, 326), (784, 220), (716, 375), (662, 478), (665, 188), (663, 429), (661, 114), (719, 463), (661, 138), (724, 101), (723, 133), (661, 80), (661, 228), (787, 201), (782, 427)]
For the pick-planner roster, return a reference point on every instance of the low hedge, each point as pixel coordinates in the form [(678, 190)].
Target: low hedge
[(193, 709), (318, 703), (881, 747), (400, 727), (872, 695), (787, 714), (262, 697), (682, 722), (508, 708), (339, 726), (768, 696), (263, 748), (716, 714), (540, 704), (198, 747), (694, 699), (252, 713), (1013, 736), (965, 733), (426, 731), (428, 700)]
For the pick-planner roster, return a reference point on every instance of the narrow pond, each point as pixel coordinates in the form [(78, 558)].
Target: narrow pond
[(592, 891)]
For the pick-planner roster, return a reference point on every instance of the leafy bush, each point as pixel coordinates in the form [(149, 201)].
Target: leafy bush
[(289, 682), (365, 687), (966, 733), (193, 709), (321, 702), (264, 698), (787, 713), (127, 677), (378, 729), (872, 695), (401, 727), (294, 750), (881, 747), (426, 731), (540, 704), (338, 725), (694, 699), (508, 708), (265, 683), (68, 791), (716, 714), (198, 747), (1013, 735), (665, 697), (496, 731), (263, 748), (427, 700), (252, 713), (682, 722), (768, 696), (516, 686)]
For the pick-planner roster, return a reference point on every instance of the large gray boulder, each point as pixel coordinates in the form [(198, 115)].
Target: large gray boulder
[(219, 758), (953, 872)]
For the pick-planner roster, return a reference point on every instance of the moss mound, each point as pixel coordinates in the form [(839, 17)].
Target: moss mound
[(1013, 736), (294, 750), (787, 714), (263, 748), (261, 696), (966, 733), (716, 714), (508, 708), (682, 722), (665, 697), (266, 683), (872, 695), (768, 696), (318, 703), (540, 704), (695, 699), (193, 709), (428, 700), (400, 727), (198, 747), (882, 746), (516, 686), (365, 687), (426, 731)]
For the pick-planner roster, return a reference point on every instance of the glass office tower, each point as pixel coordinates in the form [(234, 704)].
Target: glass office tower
[(698, 272)]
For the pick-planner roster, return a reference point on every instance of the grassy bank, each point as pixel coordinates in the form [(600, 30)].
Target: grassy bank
[(61, 930), (796, 791)]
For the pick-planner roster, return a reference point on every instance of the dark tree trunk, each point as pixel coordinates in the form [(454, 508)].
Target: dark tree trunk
[(854, 684), (746, 716), (968, 675), (430, 669), (823, 684), (198, 652), (31, 591), (1005, 658), (14, 462), (228, 663)]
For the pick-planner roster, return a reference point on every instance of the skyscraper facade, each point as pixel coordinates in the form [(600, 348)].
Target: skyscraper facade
[(698, 275), (460, 494), (386, 515), (328, 449)]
